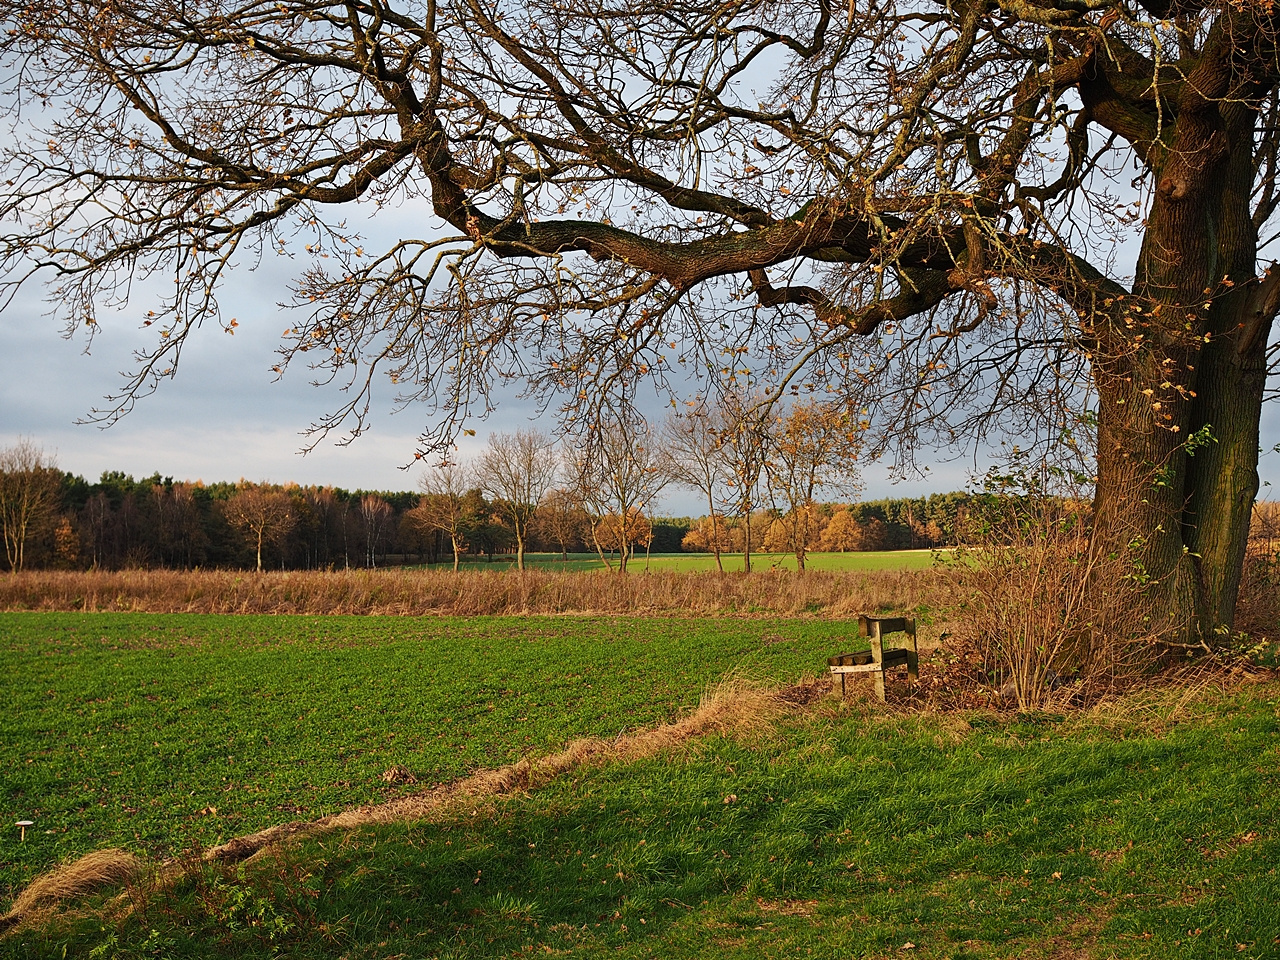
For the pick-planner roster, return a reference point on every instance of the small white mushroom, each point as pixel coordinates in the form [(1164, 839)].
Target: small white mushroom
[(22, 828)]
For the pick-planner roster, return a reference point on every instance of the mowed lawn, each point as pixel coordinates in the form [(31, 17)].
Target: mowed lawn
[(732, 562), (157, 732)]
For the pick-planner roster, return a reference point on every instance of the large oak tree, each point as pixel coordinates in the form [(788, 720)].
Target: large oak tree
[(916, 200)]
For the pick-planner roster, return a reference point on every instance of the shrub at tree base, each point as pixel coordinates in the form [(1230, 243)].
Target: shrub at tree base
[(1049, 608)]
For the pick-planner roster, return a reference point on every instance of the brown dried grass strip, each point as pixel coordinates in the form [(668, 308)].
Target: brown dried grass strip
[(473, 593), (728, 707)]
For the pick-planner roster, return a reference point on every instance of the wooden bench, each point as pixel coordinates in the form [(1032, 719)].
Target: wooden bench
[(879, 658)]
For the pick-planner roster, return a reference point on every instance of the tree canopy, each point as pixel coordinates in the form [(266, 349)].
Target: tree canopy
[(917, 205)]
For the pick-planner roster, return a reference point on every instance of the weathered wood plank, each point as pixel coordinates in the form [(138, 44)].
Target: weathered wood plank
[(856, 668), (887, 625), (859, 656)]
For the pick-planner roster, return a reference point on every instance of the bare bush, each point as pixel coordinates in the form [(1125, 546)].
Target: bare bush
[(1258, 609), (1048, 608), (30, 487)]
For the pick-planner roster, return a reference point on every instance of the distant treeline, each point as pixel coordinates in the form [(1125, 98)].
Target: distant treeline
[(120, 521), (891, 524)]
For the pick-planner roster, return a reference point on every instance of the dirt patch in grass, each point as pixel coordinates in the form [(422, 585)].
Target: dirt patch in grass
[(788, 908)]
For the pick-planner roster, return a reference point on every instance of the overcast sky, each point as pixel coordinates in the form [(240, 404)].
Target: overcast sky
[(226, 416)]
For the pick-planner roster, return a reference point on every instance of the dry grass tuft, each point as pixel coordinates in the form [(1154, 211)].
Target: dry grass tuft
[(473, 592), (93, 872), (1258, 609), (1175, 695)]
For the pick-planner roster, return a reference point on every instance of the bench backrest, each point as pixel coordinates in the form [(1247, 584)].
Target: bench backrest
[(887, 625)]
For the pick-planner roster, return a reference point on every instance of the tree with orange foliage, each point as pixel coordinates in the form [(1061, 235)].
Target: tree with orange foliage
[(841, 533), (810, 446)]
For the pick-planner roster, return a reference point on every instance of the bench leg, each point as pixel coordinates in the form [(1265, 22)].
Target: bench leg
[(913, 655), (877, 656)]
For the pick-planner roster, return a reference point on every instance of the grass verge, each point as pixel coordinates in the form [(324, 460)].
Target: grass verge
[(854, 561), (1147, 828), (159, 732)]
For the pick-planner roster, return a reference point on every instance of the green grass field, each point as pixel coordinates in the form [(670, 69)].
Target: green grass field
[(1148, 829), (703, 562), (156, 732)]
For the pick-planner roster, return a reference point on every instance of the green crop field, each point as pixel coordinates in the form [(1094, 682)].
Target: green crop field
[(1148, 828), (156, 732), (702, 562)]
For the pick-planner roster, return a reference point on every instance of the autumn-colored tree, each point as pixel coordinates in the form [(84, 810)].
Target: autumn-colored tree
[(618, 471), (445, 506), (263, 514), (516, 470), (842, 533), (623, 533), (784, 529), (916, 203), (66, 544), (709, 535), (30, 494), (810, 446)]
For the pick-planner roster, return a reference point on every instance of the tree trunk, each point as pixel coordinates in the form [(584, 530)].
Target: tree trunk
[(715, 533), (1222, 472), (595, 538), (1137, 505), (1180, 373)]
